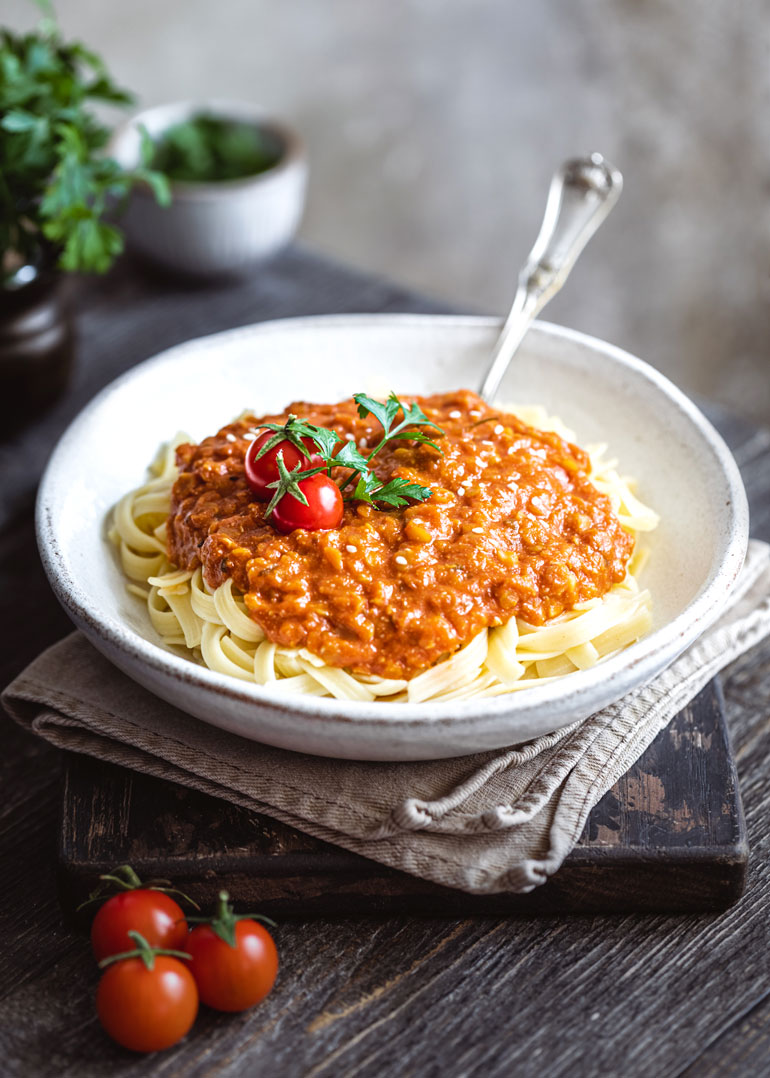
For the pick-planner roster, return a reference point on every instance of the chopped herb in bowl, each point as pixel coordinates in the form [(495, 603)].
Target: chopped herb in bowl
[(208, 149)]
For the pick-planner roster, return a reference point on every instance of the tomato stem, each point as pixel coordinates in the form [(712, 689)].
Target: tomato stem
[(225, 919), (142, 950), (123, 876), (125, 879), (288, 483)]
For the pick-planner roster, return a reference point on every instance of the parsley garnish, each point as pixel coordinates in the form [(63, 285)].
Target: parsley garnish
[(368, 487), (207, 149), (396, 492), (387, 412), (58, 190)]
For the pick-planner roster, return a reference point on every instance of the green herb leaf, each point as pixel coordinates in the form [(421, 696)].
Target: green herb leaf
[(325, 440), (157, 183), (416, 436), (209, 149), (384, 413), (89, 242), (398, 492), (17, 120), (365, 487), (103, 89), (57, 186), (350, 457), (414, 414)]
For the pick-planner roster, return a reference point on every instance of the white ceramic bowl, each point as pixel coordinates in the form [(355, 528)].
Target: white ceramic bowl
[(684, 470), (214, 228)]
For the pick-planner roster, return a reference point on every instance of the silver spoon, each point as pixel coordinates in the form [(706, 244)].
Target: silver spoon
[(583, 191)]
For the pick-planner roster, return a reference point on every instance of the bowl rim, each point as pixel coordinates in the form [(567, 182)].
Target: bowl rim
[(623, 669), (293, 147)]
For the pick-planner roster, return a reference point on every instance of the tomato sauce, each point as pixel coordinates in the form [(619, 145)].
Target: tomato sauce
[(513, 527)]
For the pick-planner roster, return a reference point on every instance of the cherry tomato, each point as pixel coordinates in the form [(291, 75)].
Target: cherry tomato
[(265, 470), (156, 915), (323, 510), (233, 978), (147, 1009)]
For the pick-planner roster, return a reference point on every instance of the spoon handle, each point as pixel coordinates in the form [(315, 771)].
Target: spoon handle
[(583, 191)]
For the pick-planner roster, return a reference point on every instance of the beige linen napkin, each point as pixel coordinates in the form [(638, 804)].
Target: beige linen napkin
[(496, 821)]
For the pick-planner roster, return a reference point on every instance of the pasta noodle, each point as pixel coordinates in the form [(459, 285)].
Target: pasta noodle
[(214, 627)]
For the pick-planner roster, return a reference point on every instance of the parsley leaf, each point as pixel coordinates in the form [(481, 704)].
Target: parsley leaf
[(416, 436), (350, 457), (387, 412), (369, 488), (384, 413), (413, 414), (367, 484), (325, 440), (57, 186), (207, 148), (398, 492)]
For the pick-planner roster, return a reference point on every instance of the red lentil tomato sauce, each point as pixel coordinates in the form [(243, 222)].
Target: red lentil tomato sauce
[(513, 527)]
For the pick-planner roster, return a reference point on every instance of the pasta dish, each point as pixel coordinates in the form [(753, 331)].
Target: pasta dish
[(466, 550)]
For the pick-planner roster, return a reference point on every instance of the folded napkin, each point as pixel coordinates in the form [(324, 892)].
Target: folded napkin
[(496, 821)]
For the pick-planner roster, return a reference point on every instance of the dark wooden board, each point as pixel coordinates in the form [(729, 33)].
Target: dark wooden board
[(669, 836)]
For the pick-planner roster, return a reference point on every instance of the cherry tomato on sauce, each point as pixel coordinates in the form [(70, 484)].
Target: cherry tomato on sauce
[(147, 1009), (259, 473), (233, 978), (323, 510), (152, 913)]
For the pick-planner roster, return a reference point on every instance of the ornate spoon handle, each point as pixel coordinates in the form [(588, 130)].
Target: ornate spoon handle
[(583, 191)]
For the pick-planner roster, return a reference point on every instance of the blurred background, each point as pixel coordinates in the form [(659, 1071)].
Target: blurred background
[(433, 127)]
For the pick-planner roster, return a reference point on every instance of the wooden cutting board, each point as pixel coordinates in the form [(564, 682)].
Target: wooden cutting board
[(668, 836)]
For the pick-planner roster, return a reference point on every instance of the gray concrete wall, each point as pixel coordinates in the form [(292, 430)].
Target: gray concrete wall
[(434, 125)]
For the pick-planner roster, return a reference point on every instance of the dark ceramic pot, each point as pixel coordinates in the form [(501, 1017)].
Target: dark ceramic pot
[(36, 342)]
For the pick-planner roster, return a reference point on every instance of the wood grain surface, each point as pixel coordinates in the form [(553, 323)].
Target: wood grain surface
[(570, 995)]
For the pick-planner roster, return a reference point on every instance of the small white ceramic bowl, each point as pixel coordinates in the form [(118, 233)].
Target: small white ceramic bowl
[(211, 229), (684, 470)]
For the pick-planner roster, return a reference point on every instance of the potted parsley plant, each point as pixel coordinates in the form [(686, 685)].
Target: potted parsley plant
[(59, 193)]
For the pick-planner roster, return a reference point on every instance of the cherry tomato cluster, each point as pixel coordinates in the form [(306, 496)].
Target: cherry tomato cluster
[(289, 466), (323, 505), (157, 969)]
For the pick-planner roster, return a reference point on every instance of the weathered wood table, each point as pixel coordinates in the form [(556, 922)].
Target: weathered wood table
[(569, 995)]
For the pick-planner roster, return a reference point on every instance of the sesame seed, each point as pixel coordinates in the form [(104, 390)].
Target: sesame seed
[(475, 413), (400, 560), (350, 437), (460, 491), (499, 428), (351, 549), (249, 436), (455, 415), (478, 531), (231, 437), (361, 443)]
